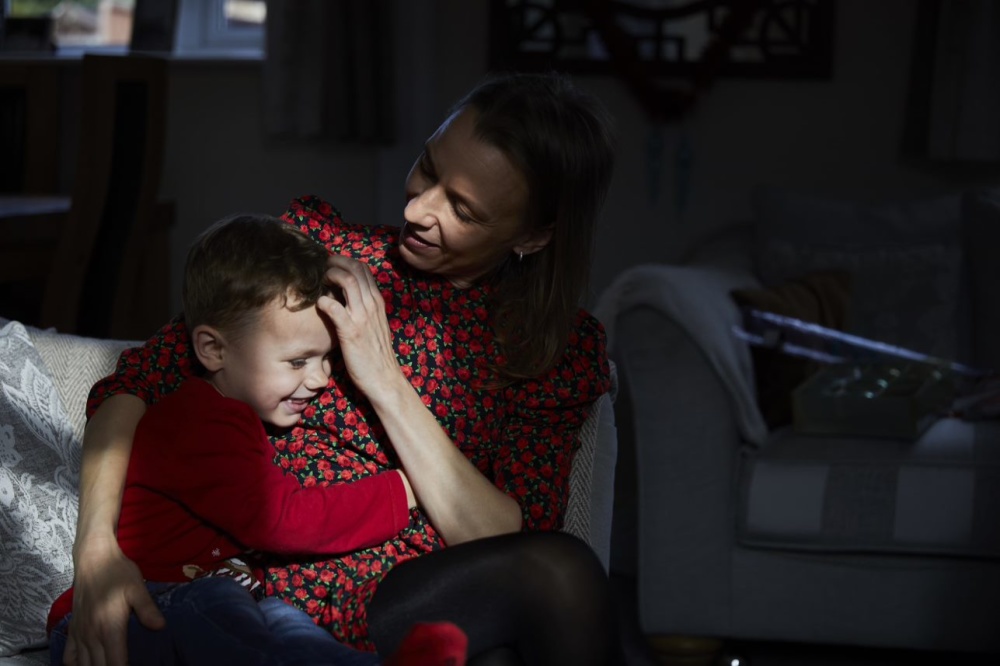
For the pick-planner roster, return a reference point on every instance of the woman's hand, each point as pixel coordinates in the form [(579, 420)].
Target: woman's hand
[(107, 587), (362, 327), (461, 503)]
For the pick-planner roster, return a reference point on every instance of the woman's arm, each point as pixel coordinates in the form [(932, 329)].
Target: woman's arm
[(107, 586), (460, 502)]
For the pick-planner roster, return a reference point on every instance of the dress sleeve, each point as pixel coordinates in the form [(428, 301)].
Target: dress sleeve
[(151, 371), (542, 434), (317, 219)]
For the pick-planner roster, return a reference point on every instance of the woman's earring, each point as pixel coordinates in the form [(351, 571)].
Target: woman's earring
[(520, 256)]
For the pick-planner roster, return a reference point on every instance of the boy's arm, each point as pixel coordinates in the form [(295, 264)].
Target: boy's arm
[(325, 520), (223, 470)]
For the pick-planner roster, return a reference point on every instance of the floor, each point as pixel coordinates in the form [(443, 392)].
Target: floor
[(772, 654)]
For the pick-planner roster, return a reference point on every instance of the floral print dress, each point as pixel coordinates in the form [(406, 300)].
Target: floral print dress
[(522, 437)]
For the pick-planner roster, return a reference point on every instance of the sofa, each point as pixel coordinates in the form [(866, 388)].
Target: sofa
[(746, 528), (45, 377)]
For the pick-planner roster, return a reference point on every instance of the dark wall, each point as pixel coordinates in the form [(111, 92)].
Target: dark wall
[(839, 137)]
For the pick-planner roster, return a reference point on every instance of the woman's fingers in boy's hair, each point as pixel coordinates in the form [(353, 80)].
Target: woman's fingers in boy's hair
[(354, 280)]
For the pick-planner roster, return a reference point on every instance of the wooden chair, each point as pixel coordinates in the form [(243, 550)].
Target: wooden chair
[(31, 208), (29, 127), (96, 281)]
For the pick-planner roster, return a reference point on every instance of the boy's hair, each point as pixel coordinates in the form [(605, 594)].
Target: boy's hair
[(241, 263)]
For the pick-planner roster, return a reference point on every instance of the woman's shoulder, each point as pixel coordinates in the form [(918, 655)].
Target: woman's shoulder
[(322, 221), (585, 360), (587, 337)]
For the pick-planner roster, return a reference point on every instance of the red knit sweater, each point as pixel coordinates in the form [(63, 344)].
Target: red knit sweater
[(202, 487)]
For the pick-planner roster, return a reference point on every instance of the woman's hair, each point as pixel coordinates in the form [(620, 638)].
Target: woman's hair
[(242, 263), (561, 140)]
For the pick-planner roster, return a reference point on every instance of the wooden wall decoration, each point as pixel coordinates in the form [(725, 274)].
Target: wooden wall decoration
[(649, 42), (784, 39)]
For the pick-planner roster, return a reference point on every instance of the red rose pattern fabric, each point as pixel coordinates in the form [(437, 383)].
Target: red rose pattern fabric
[(522, 437)]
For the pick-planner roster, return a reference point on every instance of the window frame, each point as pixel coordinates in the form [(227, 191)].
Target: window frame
[(202, 29)]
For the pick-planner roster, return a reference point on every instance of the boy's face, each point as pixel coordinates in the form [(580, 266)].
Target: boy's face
[(280, 364)]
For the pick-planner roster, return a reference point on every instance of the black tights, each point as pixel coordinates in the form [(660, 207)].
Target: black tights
[(532, 598)]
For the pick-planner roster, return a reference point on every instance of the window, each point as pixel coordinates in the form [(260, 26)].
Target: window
[(209, 27), (220, 26), (80, 23)]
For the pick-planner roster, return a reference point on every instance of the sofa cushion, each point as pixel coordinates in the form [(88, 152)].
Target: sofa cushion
[(937, 495), (75, 364), (905, 259), (39, 463)]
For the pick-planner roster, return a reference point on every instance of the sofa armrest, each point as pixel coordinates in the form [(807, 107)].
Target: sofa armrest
[(685, 441), (698, 300), (685, 408), (592, 478)]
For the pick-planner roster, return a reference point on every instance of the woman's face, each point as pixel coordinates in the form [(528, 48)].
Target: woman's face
[(465, 206)]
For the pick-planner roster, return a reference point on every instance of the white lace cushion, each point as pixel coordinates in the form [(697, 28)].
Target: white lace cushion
[(39, 464)]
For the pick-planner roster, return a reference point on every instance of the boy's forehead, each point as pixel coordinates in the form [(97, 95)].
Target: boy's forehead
[(291, 325)]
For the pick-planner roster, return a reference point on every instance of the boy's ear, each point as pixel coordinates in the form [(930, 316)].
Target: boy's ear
[(535, 241), (209, 346)]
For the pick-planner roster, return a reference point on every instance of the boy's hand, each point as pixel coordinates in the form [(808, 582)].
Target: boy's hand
[(107, 587)]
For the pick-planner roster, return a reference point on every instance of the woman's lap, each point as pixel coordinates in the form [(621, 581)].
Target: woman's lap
[(543, 594)]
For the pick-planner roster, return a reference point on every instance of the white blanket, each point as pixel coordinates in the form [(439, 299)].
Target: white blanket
[(697, 299)]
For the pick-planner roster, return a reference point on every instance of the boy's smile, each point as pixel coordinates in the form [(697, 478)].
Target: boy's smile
[(279, 364)]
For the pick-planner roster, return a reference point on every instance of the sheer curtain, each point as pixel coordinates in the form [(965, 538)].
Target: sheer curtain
[(328, 72)]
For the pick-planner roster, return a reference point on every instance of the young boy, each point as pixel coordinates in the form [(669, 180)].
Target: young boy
[(202, 493)]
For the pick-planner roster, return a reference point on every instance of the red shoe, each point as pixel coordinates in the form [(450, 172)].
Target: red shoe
[(431, 644)]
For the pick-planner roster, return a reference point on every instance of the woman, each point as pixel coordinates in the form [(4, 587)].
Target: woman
[(464, 347)]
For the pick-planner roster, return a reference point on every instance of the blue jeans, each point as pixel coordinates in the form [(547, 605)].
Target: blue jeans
[(214, 621)]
